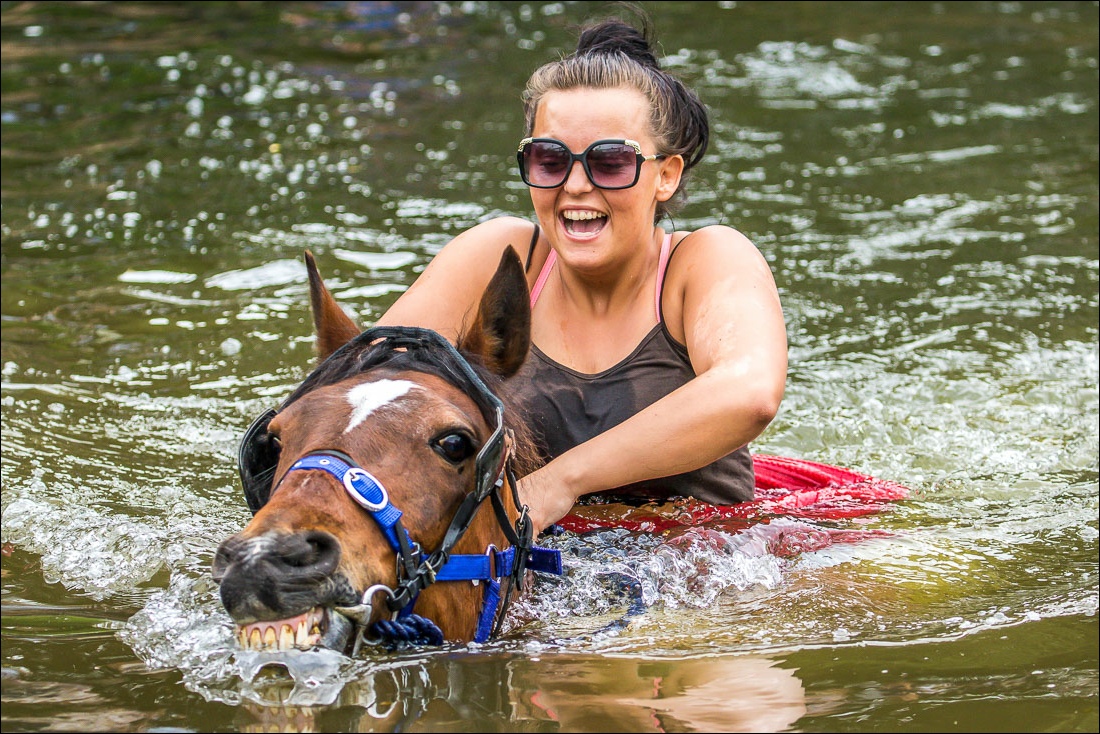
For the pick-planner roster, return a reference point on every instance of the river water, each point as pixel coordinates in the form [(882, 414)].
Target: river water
[(922, 178)]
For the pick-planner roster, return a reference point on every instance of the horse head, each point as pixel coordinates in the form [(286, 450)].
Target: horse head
[(383, 488)]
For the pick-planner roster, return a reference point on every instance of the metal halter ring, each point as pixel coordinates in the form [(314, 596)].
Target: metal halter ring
[(357, 473), (363, 611)]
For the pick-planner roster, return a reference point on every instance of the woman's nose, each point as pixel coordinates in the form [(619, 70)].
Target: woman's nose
[(577, 182)]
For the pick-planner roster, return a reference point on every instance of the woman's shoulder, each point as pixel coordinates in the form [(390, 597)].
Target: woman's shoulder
[(502, 230), (454, 279), (710, 251), (484, 242), (706, 265), (713, 240)]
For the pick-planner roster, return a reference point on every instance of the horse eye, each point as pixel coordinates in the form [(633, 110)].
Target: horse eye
[(454, 447)]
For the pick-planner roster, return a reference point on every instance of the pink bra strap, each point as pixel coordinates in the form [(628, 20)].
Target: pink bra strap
[(536, 290), (662, 265)]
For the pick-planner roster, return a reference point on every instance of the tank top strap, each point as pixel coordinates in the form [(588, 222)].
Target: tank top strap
[(536, 289), (662, 266), (531, 249)]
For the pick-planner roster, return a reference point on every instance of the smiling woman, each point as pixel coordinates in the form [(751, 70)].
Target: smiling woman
[(920, 179), (657, 356)]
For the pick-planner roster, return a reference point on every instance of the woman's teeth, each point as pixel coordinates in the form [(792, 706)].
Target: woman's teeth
[(583, 222)]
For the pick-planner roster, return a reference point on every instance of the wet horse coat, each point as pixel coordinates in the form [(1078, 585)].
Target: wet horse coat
[(387, 476), (369, 485)]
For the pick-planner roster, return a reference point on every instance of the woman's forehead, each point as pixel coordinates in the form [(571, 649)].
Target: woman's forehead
[(579, 116)]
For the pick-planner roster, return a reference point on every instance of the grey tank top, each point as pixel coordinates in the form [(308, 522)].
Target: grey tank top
[(566, 408)]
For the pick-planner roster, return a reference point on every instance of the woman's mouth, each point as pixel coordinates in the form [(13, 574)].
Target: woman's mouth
[(583, 222)]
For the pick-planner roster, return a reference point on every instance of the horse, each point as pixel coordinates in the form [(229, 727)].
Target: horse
[(370, 483), (383, 489)]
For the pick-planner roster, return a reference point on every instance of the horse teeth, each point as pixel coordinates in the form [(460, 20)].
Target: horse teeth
[(302, 631)]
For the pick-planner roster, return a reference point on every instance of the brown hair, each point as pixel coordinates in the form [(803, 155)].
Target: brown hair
[(613, 54)]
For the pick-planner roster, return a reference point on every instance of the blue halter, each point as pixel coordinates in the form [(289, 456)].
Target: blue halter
[(258, 458), (488, 568)]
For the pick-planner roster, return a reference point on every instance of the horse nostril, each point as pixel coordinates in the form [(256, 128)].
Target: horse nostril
[(227, 554), (218, 567), (313, 549)]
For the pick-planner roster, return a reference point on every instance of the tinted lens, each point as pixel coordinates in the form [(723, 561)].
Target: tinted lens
[(546, 163), (613, 165)]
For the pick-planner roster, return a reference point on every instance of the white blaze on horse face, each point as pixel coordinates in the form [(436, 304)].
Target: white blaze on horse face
[(370, 396)]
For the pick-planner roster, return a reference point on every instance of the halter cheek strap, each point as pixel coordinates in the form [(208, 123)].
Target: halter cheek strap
[(490, 567)]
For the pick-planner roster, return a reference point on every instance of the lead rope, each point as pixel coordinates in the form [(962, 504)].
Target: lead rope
[(390, 633), (411, 629)]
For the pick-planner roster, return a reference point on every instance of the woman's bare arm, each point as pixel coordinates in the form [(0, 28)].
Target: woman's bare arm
[(725, 302)]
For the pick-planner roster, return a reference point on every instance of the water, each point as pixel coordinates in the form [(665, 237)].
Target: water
[(922, 178)]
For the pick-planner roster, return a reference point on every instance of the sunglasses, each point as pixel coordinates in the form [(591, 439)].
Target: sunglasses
[(545, 163)]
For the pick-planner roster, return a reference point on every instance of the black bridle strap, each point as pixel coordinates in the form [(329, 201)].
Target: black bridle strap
[(419, 579), (257, 462), (522, 540)]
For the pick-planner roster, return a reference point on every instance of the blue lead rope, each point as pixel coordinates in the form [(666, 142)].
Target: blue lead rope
[(369, 493)]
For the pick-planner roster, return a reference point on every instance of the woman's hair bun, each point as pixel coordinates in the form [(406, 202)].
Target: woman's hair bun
[(617, 37)]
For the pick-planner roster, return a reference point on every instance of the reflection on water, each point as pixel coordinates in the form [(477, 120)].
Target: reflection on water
[(657, 696), (504, 683), (922, 178)]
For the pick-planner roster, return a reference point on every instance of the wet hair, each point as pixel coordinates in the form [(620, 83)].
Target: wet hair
[(613, 54)]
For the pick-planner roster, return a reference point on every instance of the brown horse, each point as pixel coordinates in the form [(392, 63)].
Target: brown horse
[(370, 483)]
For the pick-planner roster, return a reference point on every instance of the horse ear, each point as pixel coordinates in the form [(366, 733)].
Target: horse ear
[(501, 331), (334, 327)]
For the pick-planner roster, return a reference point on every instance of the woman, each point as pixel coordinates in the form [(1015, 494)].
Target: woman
[(657, 356)]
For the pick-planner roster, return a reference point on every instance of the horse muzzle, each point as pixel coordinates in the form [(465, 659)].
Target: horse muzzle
[(281, 590)]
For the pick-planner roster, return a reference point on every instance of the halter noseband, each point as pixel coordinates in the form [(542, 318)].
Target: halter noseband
[(259, 455)]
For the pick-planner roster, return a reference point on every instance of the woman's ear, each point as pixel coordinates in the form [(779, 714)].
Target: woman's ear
[(670, 172)]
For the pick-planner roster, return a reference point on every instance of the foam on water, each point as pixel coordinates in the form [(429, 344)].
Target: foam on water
[(928, 209)]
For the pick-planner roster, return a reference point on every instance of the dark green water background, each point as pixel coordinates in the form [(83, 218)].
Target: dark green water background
[(922, 178)]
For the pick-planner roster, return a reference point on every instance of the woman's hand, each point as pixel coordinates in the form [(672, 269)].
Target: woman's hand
[(547, 499)]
